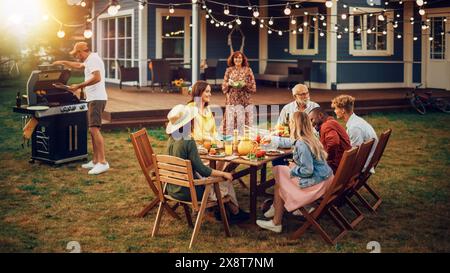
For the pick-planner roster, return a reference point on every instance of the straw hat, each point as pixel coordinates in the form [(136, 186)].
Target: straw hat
[(179, 116)]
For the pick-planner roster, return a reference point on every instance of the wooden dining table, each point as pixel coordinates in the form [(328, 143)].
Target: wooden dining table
[(251, 168)]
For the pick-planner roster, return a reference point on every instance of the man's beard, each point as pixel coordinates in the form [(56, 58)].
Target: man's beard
[(303, 102)]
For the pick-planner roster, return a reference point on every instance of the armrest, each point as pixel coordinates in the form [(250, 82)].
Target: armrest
[(208, 180)]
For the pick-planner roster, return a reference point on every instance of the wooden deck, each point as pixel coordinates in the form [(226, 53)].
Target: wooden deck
[(132, 107)]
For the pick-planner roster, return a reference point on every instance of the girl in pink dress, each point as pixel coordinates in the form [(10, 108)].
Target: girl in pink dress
[(305, 180)]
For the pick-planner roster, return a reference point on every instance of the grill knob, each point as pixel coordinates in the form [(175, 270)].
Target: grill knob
[(82, 107), (73, 108)]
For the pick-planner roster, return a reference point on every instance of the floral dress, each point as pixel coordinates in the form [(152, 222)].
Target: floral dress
[(238, 99)]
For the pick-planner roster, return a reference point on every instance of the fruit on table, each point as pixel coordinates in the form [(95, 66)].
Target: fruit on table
[(281, 130), (258, 139), (260, 154), (212, 151), (245, 146)]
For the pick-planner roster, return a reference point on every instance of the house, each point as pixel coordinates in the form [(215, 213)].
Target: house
[(365, 48)]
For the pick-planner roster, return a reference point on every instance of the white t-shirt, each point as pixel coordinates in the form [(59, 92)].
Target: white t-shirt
[(98, 90)]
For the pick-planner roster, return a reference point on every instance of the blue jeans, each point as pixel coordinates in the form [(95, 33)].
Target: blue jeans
[(281, 161)]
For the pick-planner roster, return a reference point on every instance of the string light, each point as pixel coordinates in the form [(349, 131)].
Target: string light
[(422, 12), (253, 22), (255, 13), (112, 10), (226, 10), (344, 16), (431, 39), (141, 5), (238, 21), (399, 36), (83, 4), (287, 9), (329, 4), (280, 33), (270, 21), (381, 17), (269, 31), (415, 38), (293, 21), (346, 29), (171, 9), (339, 36), (419, 3), (60, 34), (384, 32), (321, 34), (87, 33)]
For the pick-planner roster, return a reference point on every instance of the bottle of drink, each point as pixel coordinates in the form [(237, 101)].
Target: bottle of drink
[(18, 100), (82, 95)]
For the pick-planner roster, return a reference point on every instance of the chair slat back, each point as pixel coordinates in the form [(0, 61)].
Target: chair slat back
[(361, 159), (343, 174), (176, 171), (143, 150), (379, 150)]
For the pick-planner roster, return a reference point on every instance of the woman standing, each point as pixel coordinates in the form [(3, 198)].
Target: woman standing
[(238, 85), (305, 181)]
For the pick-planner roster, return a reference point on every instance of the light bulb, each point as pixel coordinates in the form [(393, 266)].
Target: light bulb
[(431, 38), (346, 29), (141, 6), (255, 13), (207, 16), (226, 10), (399, 36), (280, 32), (293, 21), (339, 36), (322, 34), (328, 4), (238, 21), (384, 32), (287, 9), (300, 29), (305, 24), (230, 26), (344, 16), (61, 34), (369, 31), (419, 3), (270, 22), (253, 22), (269, 31), (112, 10), (222, 23), (217, 25), (381, 17), (294, 32), (336, 27), (322, 17), (87, 33), (261, 25), (422, 12), (171, 9), (415, 38)]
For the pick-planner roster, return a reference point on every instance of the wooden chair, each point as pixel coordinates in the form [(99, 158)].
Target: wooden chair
[(362, 181), (177, 171), (143, 150), (342, 176), (344, 199)]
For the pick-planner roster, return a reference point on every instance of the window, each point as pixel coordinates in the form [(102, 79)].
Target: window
[(305, 40), (116, 43), (437, 32), (172, 37), (368, 35)]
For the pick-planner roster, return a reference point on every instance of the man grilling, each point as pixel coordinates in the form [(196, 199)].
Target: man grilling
[(94, 86)]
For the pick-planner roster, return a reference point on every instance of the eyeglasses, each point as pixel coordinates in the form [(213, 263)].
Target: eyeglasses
[(301, 94)]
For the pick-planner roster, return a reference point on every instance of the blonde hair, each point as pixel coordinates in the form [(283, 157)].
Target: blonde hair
[(345, 102), (302, 129)]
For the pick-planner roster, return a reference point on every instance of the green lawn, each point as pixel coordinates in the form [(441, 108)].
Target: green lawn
[(42, 208)]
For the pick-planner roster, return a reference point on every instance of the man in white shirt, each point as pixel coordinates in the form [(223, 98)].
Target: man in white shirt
[(301, 103), (94, 84), (358, 129)]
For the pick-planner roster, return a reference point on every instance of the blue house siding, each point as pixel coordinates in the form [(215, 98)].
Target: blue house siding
[(278, 46), (369, 72)]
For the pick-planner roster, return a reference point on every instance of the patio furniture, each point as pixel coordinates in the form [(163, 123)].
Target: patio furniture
[(177, 171), (336, 188), (161, 72), (143, 150), (250, 168), (276, 72), (362, 181), (128, 74), (361, 159)]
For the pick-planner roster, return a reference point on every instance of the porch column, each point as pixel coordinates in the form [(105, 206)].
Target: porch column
[(408, 56), (143, 30), (331, 45), (195, 68), (263, 38)]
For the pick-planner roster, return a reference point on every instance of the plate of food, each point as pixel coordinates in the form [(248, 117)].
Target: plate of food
[(260, 155), (237, 84), (274, 152)]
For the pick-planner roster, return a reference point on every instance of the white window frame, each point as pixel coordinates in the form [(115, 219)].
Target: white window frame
[(293, 37), (121, 13), (430, 45), (389, 51)]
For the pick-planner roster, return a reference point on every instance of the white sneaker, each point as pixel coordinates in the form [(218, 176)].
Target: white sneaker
[(269, 225), (99, 168), (270, 213), (88, 165)]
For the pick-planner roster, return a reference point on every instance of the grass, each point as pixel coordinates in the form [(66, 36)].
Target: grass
[(42, 208)]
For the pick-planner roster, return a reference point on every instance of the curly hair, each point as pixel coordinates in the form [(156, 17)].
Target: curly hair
[(345, 102), (230, 60)]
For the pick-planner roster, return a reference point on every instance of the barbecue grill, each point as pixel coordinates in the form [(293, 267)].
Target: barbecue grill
[(61, 133)]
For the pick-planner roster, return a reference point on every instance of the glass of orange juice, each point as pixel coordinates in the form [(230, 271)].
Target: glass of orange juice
[(228, 147)]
